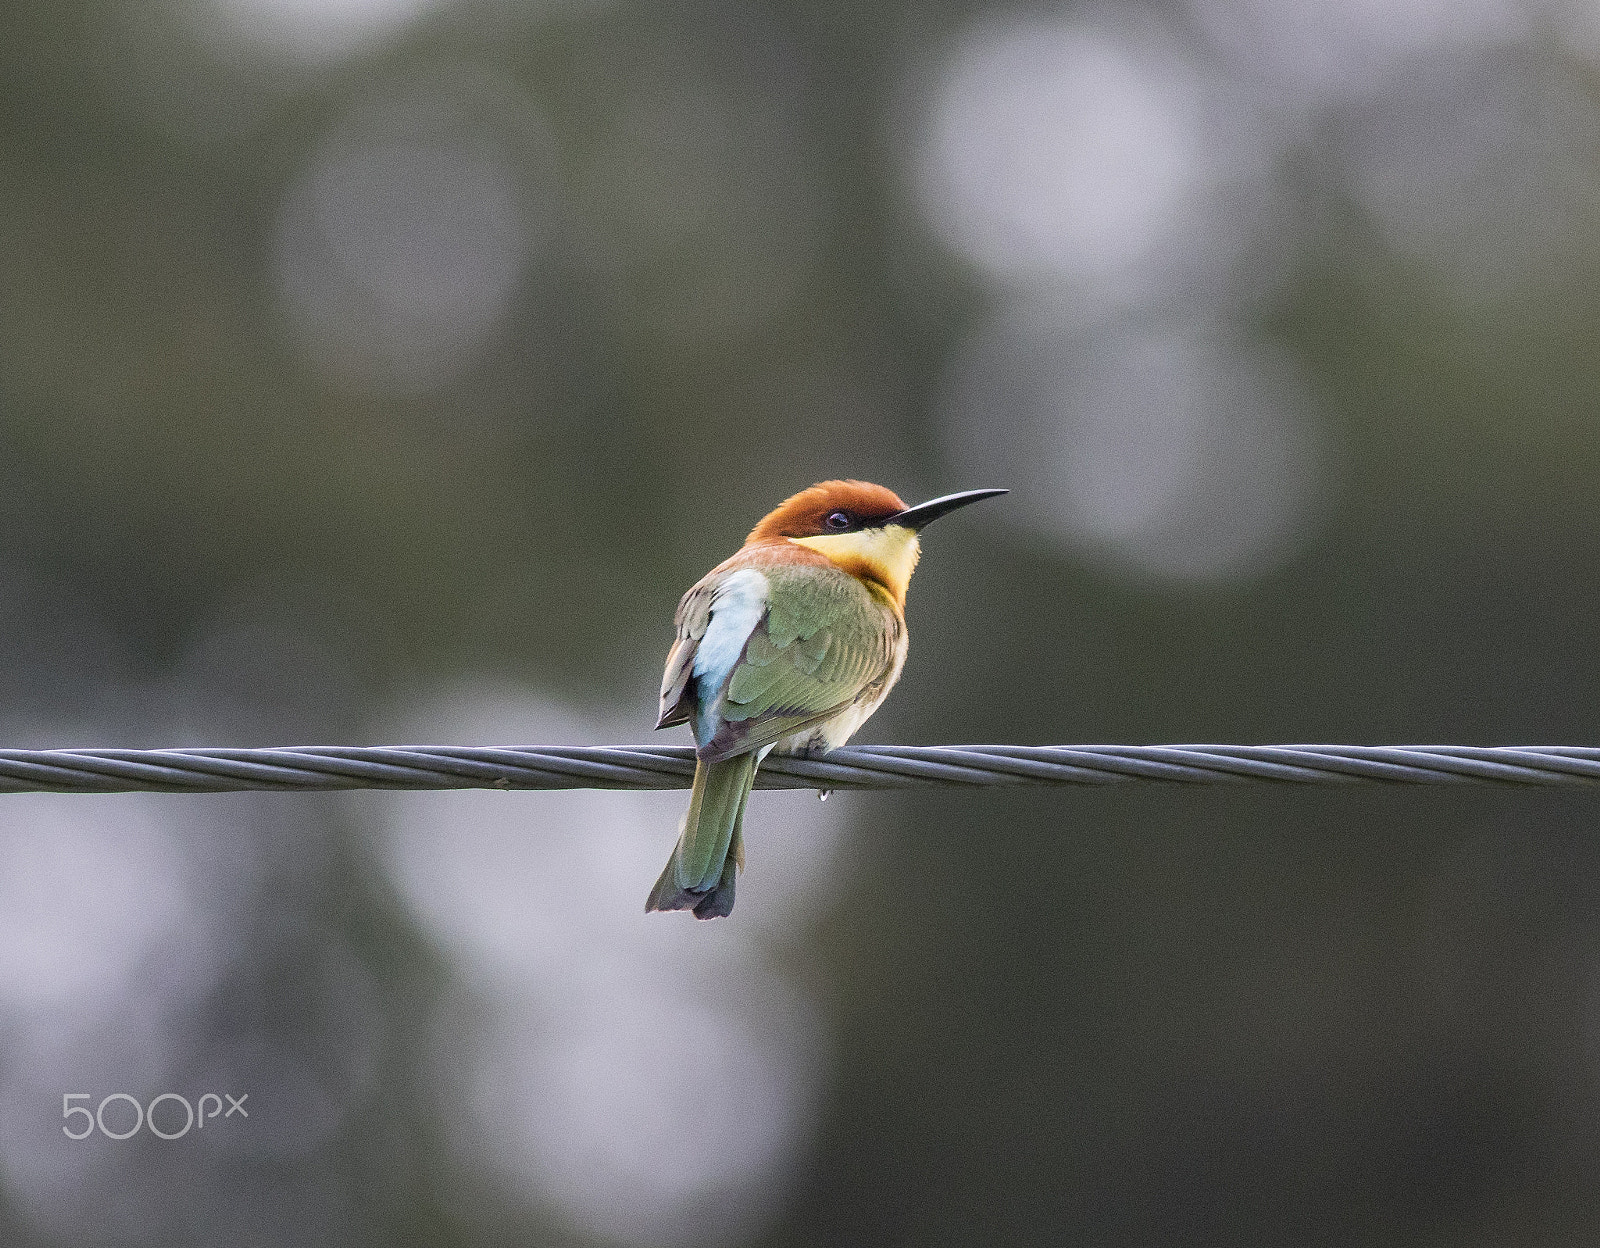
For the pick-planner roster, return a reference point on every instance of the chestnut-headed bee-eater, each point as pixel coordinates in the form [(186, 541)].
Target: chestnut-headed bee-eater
[(789, 645)]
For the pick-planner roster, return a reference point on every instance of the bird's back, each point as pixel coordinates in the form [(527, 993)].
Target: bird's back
[(790, 650)]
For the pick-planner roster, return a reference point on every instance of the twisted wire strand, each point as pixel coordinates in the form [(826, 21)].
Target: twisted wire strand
[(327, 767)]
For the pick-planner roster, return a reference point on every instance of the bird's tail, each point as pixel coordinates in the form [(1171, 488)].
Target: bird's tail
[(710, 850)]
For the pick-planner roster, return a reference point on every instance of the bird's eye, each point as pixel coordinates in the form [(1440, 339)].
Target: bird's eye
[(837, 520)]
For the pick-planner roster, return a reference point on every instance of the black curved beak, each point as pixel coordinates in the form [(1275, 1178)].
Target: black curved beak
[(923, 514)]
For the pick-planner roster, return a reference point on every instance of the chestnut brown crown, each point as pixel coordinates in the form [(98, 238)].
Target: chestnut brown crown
[(826, 508)]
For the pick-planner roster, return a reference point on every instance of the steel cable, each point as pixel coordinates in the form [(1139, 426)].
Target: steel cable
[(328, 767)]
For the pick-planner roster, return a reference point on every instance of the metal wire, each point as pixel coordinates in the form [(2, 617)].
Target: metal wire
[(323, 767)]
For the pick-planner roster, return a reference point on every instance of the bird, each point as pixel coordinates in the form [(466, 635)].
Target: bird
[(790, 644)]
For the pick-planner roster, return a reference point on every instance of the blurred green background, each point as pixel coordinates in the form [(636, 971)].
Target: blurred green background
[(385, 369)]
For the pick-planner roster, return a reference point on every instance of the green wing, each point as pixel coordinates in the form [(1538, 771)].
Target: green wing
[(823, 642)]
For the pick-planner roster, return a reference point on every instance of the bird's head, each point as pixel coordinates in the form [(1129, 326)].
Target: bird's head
[(864, 529)]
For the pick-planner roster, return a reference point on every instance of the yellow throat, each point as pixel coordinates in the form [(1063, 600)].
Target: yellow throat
[(882, 557)]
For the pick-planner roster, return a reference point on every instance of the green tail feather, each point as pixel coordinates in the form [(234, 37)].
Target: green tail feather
[(701, 873)]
